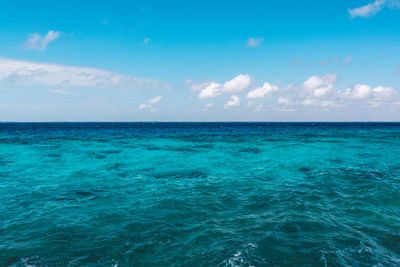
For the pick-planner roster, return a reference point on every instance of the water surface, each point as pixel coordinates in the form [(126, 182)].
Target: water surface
[(200, 194)]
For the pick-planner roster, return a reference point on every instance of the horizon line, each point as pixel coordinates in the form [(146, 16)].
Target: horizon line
[(199, 121)]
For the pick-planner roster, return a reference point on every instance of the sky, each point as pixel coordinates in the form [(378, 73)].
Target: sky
[(176, 60)]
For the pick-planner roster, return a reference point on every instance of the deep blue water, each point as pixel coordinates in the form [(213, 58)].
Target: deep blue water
[(200, 194)]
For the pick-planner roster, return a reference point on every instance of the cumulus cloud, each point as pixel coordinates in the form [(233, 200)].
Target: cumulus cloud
[(254, 41), (320, 86), (320, 93), (316, 92), (237, 84), (381, 92), (213, 89), (363, 91), (39, 43), (233, 102), (359, 91), (362, 94), (261, 92), (373, 8), (26, 73)]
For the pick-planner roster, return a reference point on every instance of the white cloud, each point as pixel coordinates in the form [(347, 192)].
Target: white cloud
[(365, 95), (39, 43), (318, 93), (155, 100), (315, 82), (144, 106), (233, 102), (26, 73), (254, 41), (151, 103), (237, 84), (359, 91), (320, 86), (213, 89), (373, 8), (363, 91), (261, 92), (367, 10), (381, 92)]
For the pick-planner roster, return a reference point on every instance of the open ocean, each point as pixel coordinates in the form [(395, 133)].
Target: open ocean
[(200, 194)]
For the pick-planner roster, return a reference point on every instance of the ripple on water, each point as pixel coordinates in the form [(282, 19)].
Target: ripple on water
[(201, 195)]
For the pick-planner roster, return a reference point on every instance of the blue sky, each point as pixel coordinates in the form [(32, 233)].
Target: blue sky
[(200, 60)]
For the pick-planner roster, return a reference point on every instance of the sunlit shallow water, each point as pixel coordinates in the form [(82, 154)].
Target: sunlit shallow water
[(210, 194)]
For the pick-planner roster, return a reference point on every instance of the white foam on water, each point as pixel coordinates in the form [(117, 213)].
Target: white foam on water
[(242, 257)]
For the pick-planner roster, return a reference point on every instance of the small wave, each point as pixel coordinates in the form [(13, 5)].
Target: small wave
[(246, 256)]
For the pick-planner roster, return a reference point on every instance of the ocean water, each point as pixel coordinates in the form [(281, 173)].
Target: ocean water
[(200, 194)]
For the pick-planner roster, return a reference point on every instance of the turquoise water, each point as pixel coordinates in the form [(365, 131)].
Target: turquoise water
[(190, 194)]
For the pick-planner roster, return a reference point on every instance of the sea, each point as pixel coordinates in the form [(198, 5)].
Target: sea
[(199, 194)]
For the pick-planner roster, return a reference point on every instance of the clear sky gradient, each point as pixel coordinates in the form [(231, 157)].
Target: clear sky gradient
[(200, 60)]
